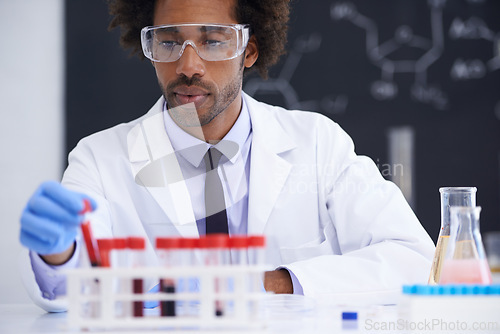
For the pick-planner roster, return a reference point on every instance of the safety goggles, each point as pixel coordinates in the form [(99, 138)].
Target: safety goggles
[(212, 42)]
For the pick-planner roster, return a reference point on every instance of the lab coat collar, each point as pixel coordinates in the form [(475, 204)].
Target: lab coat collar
[(268, 170)]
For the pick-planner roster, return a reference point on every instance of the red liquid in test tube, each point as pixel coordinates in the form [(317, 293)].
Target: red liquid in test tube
[(168, 249), (137, 247)]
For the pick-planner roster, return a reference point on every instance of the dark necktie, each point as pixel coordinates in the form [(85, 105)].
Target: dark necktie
[(216, 217)]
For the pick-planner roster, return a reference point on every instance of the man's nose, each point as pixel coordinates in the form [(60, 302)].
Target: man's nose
[(190, 64)]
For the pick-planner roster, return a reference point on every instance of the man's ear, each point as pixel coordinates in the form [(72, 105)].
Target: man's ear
[(251, 52)]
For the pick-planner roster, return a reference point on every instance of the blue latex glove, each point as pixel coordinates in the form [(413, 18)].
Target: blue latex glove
[(183, 285), (152, 303), (51, 219)]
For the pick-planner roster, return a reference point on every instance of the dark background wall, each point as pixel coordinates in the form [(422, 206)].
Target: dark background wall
[(369, 65)]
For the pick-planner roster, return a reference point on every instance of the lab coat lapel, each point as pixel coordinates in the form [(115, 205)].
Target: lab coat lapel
[(155, 166), (268, 170)]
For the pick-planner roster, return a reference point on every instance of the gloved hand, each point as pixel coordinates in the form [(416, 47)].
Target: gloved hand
[(51, 219)]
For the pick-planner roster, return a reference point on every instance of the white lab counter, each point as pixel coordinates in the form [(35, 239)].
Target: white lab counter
[(287, 314)]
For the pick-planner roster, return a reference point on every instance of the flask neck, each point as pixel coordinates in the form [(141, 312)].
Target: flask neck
[(454, 196)]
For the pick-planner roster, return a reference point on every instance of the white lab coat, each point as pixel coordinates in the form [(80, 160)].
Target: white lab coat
[(328, 214)]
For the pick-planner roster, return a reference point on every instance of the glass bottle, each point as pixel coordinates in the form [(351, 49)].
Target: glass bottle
[(450, 196), (465, 260)]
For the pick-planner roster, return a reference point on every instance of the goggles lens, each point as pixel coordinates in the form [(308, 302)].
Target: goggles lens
[(212, 42)]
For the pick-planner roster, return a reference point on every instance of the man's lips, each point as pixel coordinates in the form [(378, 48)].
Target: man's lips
[(190, 90), (185, 94)]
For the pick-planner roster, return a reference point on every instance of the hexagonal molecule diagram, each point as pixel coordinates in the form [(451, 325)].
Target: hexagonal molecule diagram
[(379, 52)]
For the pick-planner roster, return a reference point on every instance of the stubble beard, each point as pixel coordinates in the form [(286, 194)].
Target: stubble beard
[(221, 100)]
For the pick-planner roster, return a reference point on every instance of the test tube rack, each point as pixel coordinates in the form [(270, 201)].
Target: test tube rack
[(97, 299)]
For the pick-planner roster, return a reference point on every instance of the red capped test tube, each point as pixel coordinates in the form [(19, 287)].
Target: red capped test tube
[(113, 254), (88, 238), (187, 248), (239, 246), (137, 257), (216, 253), (256, 249), (256, 257), (94, 258), (187, 258), (168, 249)]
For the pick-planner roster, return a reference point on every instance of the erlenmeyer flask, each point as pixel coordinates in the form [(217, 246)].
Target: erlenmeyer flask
[(465, 260), (450, 196)]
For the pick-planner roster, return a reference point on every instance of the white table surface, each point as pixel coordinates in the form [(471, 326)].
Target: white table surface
[(288, 315), (300, 315)]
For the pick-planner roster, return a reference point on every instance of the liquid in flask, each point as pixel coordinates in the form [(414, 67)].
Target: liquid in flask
[(465, 260)]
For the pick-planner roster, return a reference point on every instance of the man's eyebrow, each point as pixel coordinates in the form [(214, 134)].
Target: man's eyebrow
[(208, 28), (169, 29)]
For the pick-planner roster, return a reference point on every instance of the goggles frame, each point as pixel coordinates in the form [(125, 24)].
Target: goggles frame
[(242, 38)]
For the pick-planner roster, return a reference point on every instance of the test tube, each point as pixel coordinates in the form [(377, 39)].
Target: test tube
[(256, 256), (238, 283), (256, 248), (112, 253), (168, 254), (187, 247), (90, 242), (215, 254), (93, 254), (137, 254), (238, 245), (186, 251)]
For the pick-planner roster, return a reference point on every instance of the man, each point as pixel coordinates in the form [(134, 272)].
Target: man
[(333, 224)]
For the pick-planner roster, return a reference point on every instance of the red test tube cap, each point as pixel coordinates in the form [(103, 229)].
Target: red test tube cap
[(112, 243), (188, 243), (120, 243), (214, 241), (257, 241), (167, 243), (105, 244), (238, 241), (136, 243)]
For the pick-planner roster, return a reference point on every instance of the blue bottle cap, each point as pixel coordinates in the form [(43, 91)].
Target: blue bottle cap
[(349, 315), (409, 289), (452, 289)]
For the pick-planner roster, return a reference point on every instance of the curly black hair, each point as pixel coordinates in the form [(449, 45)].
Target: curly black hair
[(268, 21)]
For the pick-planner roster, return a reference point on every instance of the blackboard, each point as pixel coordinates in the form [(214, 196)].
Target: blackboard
[(429, 66)]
